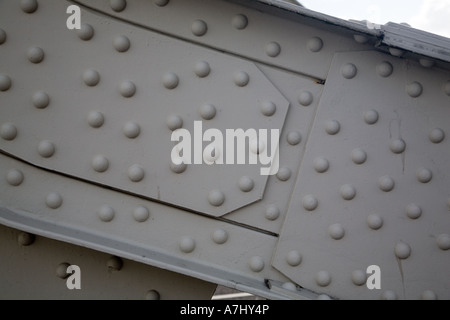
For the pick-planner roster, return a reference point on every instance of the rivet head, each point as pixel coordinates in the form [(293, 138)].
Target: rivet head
[(289, 286), (8, 131), (2, 36), (349, 71), (294, 258), (174, 122), (323, 278), (86, 32), (359, 277), (443, 241), (178, 168), (26, 239), (284, 174), (118, 5), (53, 200), (371, 117), (257, 146), (305, 98), (359, 156), (91, 77), (332, 127), (114, 264), (136, 173), (46, 149), (210, 156), (5, 82), (131, 130), (28, 6), (170, 80), (202, 69), (321, 165), (397, 146), (186, 244), (199, 28), (424, 175), (429, 295), (40, 99), (141, 214), (121, 43), (384, 69), (315, 44), (426, 63), (268, 108), (348, 192), (153, 294), (246, 184), (374, 221), (396, 52), (402, 250), (359, 38), (219, 236), (273, 49), (437, 135), (294, 138), (14, 177), (446, 88), (256, 264), (241, 78), (389, 295), (161, 3), (216, 198), (35, 54), (61, 270), (386, 183), (310, 203), (336, 231), (106, 213), (100, 163), (413, 211), (272, 213), (207, 111), (239, 21), (95, 119), (414, 89), (127, 89)]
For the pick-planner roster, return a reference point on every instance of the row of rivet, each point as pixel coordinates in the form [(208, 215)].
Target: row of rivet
[(401, 250), (239, 21), (113, 263), (385, 69), (333, 127)]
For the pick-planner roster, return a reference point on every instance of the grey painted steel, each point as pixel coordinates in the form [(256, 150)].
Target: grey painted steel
[(87, 116), (32, 268)]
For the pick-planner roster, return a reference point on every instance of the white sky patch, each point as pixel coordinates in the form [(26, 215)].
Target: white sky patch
[(433, 16), (428, 15)]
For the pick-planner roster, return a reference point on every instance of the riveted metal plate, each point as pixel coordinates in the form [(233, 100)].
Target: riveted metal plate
[(32, 266), (373, 186), (101, 103), (80, 213), (240, 30), (303, 96)]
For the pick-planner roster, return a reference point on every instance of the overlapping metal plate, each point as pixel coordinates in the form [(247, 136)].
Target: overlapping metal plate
[(374, 184)]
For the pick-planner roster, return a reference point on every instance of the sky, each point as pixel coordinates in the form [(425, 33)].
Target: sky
[(428, 15)]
